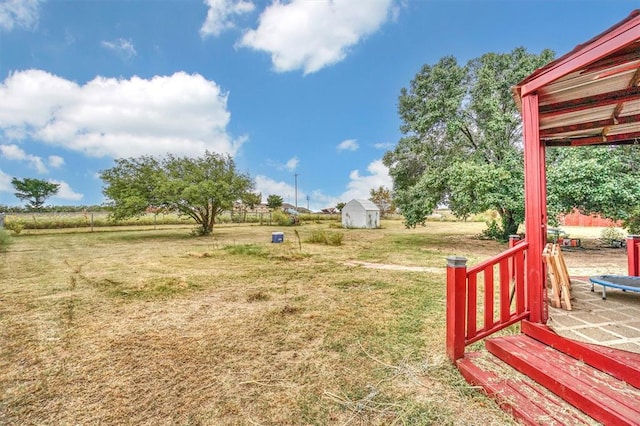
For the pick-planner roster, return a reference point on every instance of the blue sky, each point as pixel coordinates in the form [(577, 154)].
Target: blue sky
[(306, 87)]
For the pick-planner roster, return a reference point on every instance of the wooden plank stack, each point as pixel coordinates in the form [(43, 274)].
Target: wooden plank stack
[(558, 276)]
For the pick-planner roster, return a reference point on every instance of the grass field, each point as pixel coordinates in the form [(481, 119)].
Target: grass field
[(158, 327)]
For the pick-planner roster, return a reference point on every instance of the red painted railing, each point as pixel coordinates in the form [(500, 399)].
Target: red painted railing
[(498, 284), (633, 255)]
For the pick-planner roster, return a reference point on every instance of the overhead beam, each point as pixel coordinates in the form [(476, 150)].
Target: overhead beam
[(619, 139), (618, 109), (590, 125), (588, 102), (630, 54)]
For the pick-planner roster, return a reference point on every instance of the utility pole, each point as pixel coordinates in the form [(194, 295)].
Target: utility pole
[(308, 203), (296, 187)]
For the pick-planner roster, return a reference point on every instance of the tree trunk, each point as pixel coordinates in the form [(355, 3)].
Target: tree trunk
[(509, 225)]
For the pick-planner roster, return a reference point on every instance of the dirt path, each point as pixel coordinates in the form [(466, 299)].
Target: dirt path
[(393, 267)]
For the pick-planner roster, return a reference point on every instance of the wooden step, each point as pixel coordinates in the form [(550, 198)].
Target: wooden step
[(620, 364), (517, 394), (600, 395)]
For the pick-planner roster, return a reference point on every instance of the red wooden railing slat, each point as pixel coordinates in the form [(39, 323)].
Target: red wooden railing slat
[(505, 280), (488, 296), (519, 278), (472, 308)]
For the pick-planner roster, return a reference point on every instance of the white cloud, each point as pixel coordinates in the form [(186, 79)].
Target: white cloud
[(56, 161), (348, 145), (183, 114), (5, 182), (122, 47), (220, 15), (65, 192), (311, 35), (359, 186), (287, 191), (19, 13), (384, 145), (15, 153), (292, 164)]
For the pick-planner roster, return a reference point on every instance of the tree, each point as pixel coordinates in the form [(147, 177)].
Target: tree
[(34, 191), (463, 139), (382, 198), (602, 180), (340, 206), (274, 201), (251, 200), (200, 188)]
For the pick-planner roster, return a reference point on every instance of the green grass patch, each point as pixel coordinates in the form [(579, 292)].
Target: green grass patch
[(254, 250), (5, 241), (360, 284), (149, 288)]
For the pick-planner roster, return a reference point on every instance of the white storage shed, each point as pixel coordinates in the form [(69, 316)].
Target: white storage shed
[(360, 214)]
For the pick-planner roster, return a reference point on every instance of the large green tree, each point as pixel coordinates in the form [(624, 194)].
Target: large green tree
[(34, 191), (462, 143), (602, 180), (197, 187)]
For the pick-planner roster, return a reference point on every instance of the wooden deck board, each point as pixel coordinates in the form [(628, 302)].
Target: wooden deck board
[(598, 394), (620, 364), (519, 395)]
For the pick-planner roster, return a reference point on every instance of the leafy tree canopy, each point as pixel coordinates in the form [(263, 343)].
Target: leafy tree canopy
[(463, 139), (250, 200), (34, 191), (340, 206), (601, 180), (274, 201), (382, 198), (197, 187)]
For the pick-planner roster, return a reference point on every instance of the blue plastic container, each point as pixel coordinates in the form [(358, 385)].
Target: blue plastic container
[(277, 237)]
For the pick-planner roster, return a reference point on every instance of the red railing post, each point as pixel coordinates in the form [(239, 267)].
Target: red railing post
[(456, 306), (535, 207), (633, 255)]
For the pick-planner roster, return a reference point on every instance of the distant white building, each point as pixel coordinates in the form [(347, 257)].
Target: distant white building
[(360, 214)]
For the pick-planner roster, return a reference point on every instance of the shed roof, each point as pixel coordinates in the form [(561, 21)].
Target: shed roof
[(590, 96), (368, 205)]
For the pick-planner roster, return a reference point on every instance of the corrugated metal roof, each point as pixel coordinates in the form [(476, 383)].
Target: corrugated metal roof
[(591, 95)]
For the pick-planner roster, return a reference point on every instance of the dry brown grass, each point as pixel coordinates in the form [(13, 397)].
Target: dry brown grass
[(158, 327)]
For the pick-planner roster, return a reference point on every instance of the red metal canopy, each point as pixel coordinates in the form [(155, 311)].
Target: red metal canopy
[(591, 95)]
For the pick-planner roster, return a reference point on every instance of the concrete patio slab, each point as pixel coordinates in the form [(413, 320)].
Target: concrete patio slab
[(614, 322)]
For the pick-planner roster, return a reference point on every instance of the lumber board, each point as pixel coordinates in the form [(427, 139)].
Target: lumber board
[(598, 394)]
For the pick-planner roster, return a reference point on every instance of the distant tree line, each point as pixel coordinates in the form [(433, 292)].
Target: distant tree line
[(54, 209)]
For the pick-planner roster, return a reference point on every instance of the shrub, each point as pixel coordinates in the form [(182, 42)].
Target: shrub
[(612, 237), (328, 238), (5, 241), (335, 238), (317, 237), (632, 223), (281, 219), (14, 226), (493, 231)]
